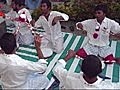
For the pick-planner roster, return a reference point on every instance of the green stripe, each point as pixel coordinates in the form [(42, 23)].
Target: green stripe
[(115, 76), (76, 48), (28, 46), (64, 53), (29, 58), (28, 52), (50, 59), (116, 67), (68, 47), (78, 68)]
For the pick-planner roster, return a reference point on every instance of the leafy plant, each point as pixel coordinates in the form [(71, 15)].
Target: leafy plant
[(83, 9)]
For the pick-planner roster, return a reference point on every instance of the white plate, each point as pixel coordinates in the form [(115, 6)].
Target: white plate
[(47, 52)]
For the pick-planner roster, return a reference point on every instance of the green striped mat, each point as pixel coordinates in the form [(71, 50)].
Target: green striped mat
[(72, 42)]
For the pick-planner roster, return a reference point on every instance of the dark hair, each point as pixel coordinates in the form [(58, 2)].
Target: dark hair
[(102, 7), (47, 2), (91, 66), (8, 43), (3, 1)]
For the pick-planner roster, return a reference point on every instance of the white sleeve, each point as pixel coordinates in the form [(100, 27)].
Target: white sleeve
[(60, 72), (65, 16), (115, 28), (39, 66), (85, 25), (29, 17)]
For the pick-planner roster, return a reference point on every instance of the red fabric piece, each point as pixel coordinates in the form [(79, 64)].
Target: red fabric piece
[(81, 52), (109, 57), (95, 35), (21, 19)]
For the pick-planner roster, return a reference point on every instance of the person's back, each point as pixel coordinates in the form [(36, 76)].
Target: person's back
[(72, 78), (16, 72), (89, 78)]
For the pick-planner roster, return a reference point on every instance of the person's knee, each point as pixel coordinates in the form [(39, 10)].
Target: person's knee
[(58, 50)]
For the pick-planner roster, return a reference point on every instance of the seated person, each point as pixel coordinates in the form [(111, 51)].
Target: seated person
[(87, 79), (23, 31), (50, 21), (98, 31), (17, 73)]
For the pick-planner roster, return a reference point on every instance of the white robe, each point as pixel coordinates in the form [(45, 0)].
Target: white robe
[(17, 73), (100, 45), (69, 80), (24, 35), (53, 34)]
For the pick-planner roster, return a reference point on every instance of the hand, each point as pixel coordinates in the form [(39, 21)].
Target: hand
[(56, 19), (37, 40), (80, 26), (70, 55)]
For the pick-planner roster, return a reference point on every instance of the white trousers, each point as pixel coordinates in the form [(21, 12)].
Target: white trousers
[(103, 51), (57, 47), (25, 39)]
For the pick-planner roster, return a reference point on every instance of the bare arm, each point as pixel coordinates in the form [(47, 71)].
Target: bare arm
[(56, 19), (37, 39)]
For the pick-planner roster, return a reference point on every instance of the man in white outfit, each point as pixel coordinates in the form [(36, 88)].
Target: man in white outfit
[(98, 31), (23, 30), (87, 79), (17, 73), (50, 21)]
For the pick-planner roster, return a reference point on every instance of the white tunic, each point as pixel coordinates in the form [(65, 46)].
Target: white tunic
[(16, 72), (23, 25), (71, 80), (52, 33), (106, 27)]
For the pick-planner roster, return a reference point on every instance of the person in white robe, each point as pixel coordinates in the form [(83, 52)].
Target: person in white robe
[(98, 31), (50, 22), (88, 78), (17, 73), (23, 31)]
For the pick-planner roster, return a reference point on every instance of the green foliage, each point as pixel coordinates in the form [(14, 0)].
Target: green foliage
[(36, 13), (83, 9)]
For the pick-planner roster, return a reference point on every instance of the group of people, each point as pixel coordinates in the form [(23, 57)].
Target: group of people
[(18, 73)]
